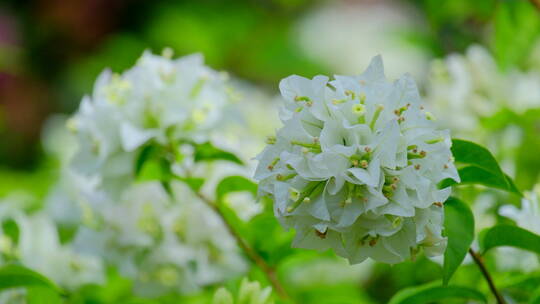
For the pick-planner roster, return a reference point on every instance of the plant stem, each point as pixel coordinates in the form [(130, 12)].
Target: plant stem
[(252, 254), (479, 261)]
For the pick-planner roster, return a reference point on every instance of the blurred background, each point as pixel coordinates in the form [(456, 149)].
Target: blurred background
[(51, 51)]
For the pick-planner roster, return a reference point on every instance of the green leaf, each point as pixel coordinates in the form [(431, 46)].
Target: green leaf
[(11, 230), (40, 295), (511, 186), (469, 153), (207, 152), (195, 183), (479, 176), (268, 238), (513, 236), (146, 153), (482, 168), (434, 293), (234, 184), (459, 228), (535, 297), (155, 169), (153, 164), (13, 275)]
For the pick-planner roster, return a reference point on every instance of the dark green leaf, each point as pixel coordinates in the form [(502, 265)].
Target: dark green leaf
[(459, 228), (482, 167), (66, 232), (535, 298), (11, 230), (207, 152), (153, 164), (234, 184), (447, 182), (476, 175), (511, 186), (434, 293), (513, 236), (13, 275), (148, 152), (469, 153)]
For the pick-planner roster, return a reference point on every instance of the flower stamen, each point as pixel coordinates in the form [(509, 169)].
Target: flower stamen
[(378, 111)]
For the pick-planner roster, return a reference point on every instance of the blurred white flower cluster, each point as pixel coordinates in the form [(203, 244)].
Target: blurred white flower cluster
[(159, 100), (466, 88), (249, 293), (33, 240), (166, 241), (356, 166), (335, 34), (528, 217), (163, 243)]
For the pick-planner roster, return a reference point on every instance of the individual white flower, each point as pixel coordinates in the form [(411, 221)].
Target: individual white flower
[(11, 206), (528, 217), (159, 101), (356, 166), (40, 249)]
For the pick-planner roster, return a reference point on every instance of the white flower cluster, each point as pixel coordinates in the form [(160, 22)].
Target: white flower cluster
[(472, 86), (164, 244), (336, 34), (38, 247), (356, 167), (164, 241), (159, 100), (249, 293)]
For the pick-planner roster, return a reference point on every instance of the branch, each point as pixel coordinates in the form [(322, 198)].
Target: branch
[(536, 3), (252, 254), (478, 260)]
